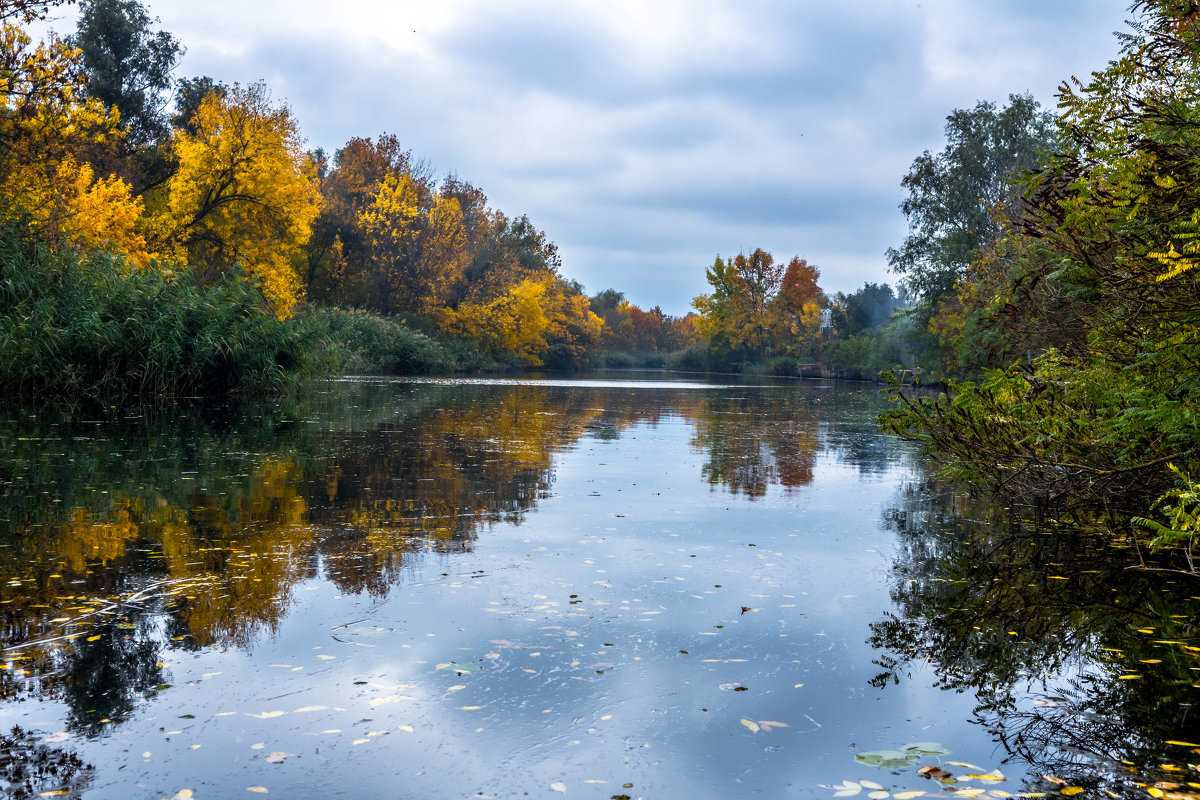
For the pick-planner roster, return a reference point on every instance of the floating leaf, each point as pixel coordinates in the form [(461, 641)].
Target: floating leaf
[(278, 757), (753, 726), (870, 785), (926, 749), (878, 795), (907, 795), (1071, 791), (847, 789), (55, 793), (1182, 744), (886, 758), (306, 709), (994, 775), (392, 698), (257, 789), (558, 786), (61, 736), (267, 714), (965, 765)]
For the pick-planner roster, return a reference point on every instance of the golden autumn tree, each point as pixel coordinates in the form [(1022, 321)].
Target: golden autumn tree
[(244, 193), (415, 243), (47, 129), (539, 320)]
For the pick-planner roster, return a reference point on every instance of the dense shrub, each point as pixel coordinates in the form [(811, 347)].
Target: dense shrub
[(96, 326), (365, 343)]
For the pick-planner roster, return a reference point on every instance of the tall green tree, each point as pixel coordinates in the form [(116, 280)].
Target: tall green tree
[(958, 198), (128, 64)]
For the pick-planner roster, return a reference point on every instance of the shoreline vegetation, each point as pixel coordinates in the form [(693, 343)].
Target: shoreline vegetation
[(169, 235)]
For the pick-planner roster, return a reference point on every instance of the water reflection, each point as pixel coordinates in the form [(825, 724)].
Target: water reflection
[(123, 538), (1082, 666)]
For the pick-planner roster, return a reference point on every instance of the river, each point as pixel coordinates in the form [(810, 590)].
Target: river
[(559, 587)]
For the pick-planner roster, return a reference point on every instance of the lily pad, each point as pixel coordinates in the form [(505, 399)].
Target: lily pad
[(926, 749), (887, 758)]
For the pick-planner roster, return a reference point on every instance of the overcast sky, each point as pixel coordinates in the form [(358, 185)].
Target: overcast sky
[(647, 136)]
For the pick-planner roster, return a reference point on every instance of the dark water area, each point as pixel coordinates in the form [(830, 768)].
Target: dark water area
[(561, 588)]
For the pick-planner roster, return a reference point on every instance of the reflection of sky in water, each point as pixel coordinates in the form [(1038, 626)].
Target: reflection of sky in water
[(595, 640)]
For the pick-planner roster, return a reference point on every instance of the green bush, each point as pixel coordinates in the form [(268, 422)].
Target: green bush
[(94, 326), (364, 343)]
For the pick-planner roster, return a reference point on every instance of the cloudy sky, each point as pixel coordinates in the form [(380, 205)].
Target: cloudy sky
[(648, 136)]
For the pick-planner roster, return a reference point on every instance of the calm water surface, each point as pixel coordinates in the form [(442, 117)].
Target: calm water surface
[(548, 588)]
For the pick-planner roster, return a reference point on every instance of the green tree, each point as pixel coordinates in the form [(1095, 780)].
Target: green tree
[(958, 197), (128, 65)]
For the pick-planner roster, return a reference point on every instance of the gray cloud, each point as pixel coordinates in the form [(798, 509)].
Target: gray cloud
[(645, 138)]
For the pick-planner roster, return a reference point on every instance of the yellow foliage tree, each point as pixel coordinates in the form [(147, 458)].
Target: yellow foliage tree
[(416, 244), (539, 317), (47, 128), (245, 193)]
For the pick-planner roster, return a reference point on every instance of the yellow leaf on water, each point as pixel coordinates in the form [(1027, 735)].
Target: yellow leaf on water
[(257, 789), (1182, 744), (55, 793), (310, 708), (93, 638), (469, 708), (1071, 791), (753, 726), (907, 795), (458, 688), (360, 741), (267, 714), (405, 728)]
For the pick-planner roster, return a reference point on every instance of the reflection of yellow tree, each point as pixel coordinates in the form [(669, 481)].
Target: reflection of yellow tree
[(752, 443)]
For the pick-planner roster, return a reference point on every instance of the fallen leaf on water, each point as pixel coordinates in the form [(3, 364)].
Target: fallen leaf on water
[(469, 708), (55, 793), (267, 714), (310, 708), (258, 746), (360, 741), (753, 726), (767, 725), (257, 789), (1182, 744), (936, 773), (870, 785), (61, 736), (558, 786), (278, 757), (994, 775), (1071, 791), (880, 795), (458, 688), (1054, 780), (326, 658), (907, 795), (847, 789), (392, 698), (405, 728), (93, 638), (965, 765)]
